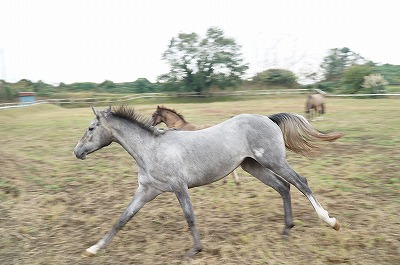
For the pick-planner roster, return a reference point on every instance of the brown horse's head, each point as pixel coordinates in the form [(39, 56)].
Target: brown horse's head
[(308, 104), (169, 116), (157, 116)]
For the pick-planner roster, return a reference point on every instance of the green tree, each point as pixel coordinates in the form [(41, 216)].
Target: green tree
[(42, 89), (197, 64), (390, 72), (335, 63), (7, 94), (279, 77), (142, 85), (107, 84), (353, 77)]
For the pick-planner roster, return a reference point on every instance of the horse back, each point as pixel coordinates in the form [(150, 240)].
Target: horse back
[(241, 130)]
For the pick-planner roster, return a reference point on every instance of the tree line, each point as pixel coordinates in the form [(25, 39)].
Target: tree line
[(199, 64)]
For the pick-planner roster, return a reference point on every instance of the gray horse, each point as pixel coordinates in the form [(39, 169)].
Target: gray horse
[(174, 160)]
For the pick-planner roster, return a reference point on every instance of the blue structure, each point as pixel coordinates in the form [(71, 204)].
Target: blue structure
[(26, 98)]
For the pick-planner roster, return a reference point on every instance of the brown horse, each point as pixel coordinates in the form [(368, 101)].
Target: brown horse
[(173, 119), (315, 106)]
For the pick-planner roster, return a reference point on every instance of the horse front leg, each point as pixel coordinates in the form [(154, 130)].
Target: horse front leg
[(142, 195), (182, 194), (235, 178)]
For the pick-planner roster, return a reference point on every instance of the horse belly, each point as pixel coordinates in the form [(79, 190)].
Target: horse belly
[(211, 168)]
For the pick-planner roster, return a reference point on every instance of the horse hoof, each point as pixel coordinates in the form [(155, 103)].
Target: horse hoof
[(88, 254), (336, 226), (285, 236), (193, 252)]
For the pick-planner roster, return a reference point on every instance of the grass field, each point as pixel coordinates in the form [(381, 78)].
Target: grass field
[(53, 206)]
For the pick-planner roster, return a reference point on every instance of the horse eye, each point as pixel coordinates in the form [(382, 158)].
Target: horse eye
[(91, 128)]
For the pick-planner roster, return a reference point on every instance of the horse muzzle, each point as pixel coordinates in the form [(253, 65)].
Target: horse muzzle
[(80, 152), (80, 155)]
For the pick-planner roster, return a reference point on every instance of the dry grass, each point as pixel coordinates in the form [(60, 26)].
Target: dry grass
[(53, 206)]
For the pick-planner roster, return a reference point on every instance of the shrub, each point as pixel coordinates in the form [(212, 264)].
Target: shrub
[(374, 84), (327, 86)]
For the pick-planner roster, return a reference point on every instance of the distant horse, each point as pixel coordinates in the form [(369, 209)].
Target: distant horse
[(176, 160), (173, 119), (315, 106)]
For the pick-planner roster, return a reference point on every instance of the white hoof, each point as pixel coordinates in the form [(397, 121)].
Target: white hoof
[(92, 251), (336, 226)]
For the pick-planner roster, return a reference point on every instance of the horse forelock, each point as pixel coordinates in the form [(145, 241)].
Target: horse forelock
[(133, 116)]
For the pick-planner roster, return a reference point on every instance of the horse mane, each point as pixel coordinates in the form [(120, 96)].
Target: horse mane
[(173, 111), (130, 114)]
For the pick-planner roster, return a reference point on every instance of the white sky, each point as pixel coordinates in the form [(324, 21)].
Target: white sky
[(96, 40)]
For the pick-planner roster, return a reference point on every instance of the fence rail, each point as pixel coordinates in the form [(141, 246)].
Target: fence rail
[(175, 95)]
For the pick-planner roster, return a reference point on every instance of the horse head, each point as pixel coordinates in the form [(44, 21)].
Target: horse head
[(97, 136), (157, 116), (308, 104)]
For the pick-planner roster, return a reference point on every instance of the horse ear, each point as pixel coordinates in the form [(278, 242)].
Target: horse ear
[(107, 111), (95, 111)]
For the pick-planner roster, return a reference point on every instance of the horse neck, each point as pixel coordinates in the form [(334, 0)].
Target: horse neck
[(173, 120), (132, 137)]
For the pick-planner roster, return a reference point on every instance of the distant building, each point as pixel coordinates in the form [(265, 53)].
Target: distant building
[(27, 97)]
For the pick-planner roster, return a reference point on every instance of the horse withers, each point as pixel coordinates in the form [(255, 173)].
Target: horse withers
[(175, 160)]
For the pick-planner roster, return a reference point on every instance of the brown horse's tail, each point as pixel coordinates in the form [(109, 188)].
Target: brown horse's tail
[(299, 135)]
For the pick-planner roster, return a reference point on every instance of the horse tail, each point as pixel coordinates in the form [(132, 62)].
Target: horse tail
[(299, 135)]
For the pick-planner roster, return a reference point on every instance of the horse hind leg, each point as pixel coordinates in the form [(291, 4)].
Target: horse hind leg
[(282, 187), (287, 173)]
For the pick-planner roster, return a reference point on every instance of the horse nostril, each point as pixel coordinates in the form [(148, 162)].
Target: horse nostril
[(78, 154)]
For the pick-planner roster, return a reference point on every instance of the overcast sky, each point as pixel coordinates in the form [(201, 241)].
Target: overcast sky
[(96, 40)]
